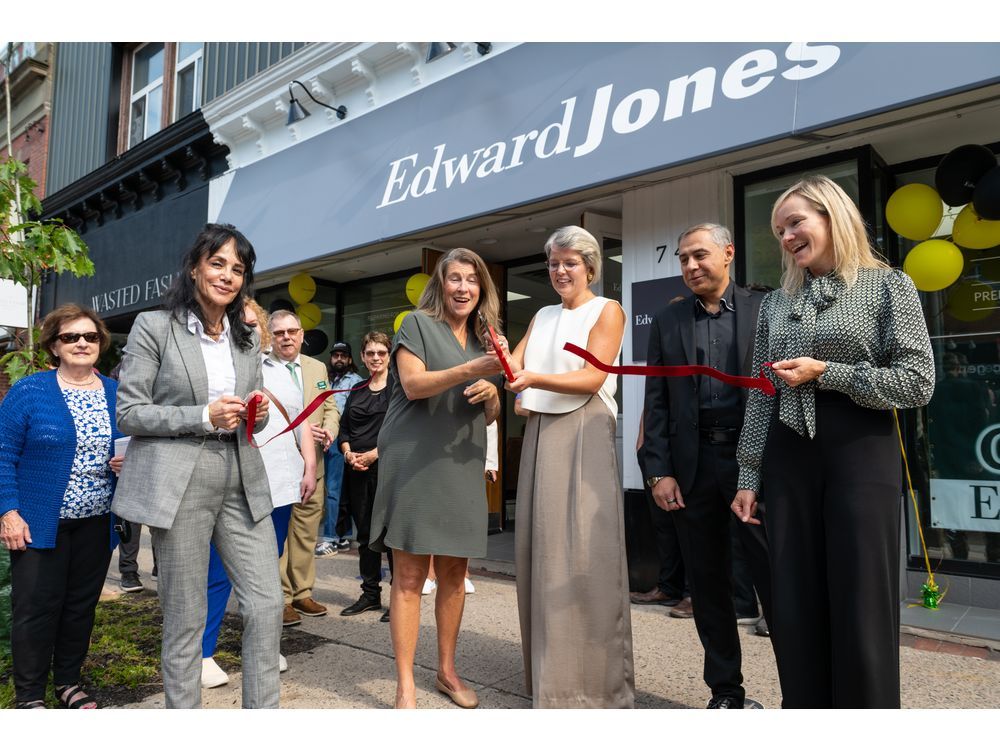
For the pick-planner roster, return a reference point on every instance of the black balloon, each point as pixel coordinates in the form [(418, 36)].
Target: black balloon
[(960, 170), (281, 304), (314, 342), (986, 198)]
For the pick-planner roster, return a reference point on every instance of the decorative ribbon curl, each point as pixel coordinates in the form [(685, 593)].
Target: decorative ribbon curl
[(253, 403)]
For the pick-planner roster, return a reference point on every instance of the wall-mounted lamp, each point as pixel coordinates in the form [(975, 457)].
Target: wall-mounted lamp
[(297, 112), (439, 49)]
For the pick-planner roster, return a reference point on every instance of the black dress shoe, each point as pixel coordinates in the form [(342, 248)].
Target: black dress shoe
[(364, 604), (385, 616), (724, 701)]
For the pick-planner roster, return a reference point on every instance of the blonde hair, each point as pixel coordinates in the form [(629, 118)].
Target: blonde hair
[(579, 240), (432, 299), (852, 249), (263, 323)]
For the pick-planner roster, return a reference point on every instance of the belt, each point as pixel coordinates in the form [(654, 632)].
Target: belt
[(222, 437), (720, 435)]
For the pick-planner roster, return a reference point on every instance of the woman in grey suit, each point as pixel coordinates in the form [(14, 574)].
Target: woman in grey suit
[(190, 475)]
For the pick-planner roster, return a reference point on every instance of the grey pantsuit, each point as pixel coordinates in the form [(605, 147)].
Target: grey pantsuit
[(190, 488)]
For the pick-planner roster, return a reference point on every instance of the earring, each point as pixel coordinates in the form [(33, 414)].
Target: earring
[(590, 277)]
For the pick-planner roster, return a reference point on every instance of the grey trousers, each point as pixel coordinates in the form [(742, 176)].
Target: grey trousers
[(214, 510)]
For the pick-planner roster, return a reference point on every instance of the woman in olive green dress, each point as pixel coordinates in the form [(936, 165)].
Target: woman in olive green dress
[(431, 499)]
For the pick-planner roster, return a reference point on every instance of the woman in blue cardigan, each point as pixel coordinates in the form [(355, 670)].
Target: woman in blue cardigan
[(57, 432)]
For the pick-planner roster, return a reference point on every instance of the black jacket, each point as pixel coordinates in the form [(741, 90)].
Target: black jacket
[(670, 424)]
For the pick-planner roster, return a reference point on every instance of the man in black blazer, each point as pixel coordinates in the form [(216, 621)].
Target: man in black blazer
[(692, 425)]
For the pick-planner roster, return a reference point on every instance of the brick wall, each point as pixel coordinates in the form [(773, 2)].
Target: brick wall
[(32, 148)]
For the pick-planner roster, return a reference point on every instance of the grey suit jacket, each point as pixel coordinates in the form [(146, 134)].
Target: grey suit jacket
[(161, 396)]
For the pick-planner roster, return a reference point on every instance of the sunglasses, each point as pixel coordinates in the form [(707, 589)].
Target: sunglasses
[(91, 337), (285, 331)]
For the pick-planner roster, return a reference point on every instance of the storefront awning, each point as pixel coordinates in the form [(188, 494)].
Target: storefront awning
[(546, 119)]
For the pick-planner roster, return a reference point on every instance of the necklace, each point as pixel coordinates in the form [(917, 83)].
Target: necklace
[(73, 382)]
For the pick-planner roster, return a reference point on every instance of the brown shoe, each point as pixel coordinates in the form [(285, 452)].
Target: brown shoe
[(684, 610), (309, 607), (655, 596), (290, 617)]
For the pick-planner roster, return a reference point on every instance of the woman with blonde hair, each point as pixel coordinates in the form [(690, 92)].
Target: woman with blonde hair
[(431, 499), (848, 343)]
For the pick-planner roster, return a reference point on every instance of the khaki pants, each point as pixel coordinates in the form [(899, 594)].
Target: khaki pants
[(298, 563)]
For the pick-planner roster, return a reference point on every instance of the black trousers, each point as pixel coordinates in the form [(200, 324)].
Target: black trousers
[(833, 523), (54, 593), (128, 552), (703, 527), (672, 579), (358, 494)]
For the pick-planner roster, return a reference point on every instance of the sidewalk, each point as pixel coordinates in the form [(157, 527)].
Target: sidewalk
[(350, 662)]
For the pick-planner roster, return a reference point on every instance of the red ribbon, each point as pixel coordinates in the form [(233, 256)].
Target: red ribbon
[(302, 417), (675, 371)]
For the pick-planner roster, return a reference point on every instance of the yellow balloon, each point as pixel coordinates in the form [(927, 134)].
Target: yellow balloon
[(310, 315), (914, 211), (415, 287), (399, 320), (301, 288), (934, 265), (966, 301), (974, 233)]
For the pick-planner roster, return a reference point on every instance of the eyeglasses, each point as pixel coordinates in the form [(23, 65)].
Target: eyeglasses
[(380, 355), (91, 337), (570, 266), (285, 332)]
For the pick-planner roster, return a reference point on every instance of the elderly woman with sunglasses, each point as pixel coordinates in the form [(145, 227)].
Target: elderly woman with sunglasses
[(56, 441)]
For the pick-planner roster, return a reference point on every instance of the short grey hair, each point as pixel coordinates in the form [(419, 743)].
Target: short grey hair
[(284, 314), (720, 235), (578, 240)]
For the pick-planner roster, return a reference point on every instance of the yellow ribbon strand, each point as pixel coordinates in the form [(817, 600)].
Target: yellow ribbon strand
[(931, 593)]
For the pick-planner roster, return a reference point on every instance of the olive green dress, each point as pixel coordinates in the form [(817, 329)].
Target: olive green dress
[(431, 498)]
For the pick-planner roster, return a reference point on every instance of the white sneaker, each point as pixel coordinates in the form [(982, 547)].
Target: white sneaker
[(282, 663), (212, 675), (469, 588), (429, 587)]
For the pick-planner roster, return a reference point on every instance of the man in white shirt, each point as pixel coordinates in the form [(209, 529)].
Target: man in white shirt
[(306, 380)]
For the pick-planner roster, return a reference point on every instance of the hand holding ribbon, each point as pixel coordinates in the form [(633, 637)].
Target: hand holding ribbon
[(257, 399)]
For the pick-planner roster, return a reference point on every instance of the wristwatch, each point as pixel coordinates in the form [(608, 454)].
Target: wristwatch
[(651, 482)]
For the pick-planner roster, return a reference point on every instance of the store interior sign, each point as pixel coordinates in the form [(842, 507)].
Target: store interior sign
[(965, 505), (648, 298), (545, 119)]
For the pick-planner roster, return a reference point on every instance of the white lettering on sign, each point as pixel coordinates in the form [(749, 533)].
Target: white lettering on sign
[(643, 319), (414, 175), (131, 294)]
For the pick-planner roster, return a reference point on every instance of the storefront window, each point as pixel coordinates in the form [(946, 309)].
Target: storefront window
[(372, 306), (319, 339), (758, 244), (957, 467)]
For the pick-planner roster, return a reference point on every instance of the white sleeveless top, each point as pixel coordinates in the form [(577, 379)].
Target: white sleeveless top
[(554, 326)]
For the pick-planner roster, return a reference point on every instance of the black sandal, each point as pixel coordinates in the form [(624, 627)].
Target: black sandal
[(72, 696), (30, 704)]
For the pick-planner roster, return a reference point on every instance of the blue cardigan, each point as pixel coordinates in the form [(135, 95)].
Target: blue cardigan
[(37, 446)]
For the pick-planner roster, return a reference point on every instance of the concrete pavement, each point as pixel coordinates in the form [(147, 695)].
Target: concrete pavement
[(349, 662)]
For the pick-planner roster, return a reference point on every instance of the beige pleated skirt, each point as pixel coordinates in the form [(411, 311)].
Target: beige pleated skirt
[(572, 576)]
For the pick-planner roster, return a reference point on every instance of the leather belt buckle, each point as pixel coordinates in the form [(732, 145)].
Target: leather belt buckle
[(720, 435), (223, 437)]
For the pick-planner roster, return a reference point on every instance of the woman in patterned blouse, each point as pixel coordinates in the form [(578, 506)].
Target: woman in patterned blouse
[(848, 342), (56, 441)]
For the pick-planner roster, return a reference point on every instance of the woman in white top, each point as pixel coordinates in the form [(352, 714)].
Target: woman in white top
[(572, 578)]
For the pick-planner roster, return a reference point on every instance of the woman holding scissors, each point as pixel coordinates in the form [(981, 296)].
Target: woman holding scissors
[(572, 578)]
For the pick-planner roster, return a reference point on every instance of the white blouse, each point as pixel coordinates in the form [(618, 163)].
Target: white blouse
[(553, 327)]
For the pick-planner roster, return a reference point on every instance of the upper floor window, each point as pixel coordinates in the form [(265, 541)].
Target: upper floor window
[(146, 101), (162, 82), (187, 91)]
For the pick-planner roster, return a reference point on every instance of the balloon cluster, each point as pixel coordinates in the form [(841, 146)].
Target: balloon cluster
[(967, 176), (302, 288), (414, 288)]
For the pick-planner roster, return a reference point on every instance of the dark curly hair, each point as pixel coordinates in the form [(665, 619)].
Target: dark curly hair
[(180, 298)]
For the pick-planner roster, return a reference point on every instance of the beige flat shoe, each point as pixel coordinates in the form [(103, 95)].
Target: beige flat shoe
[(462, 698)]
